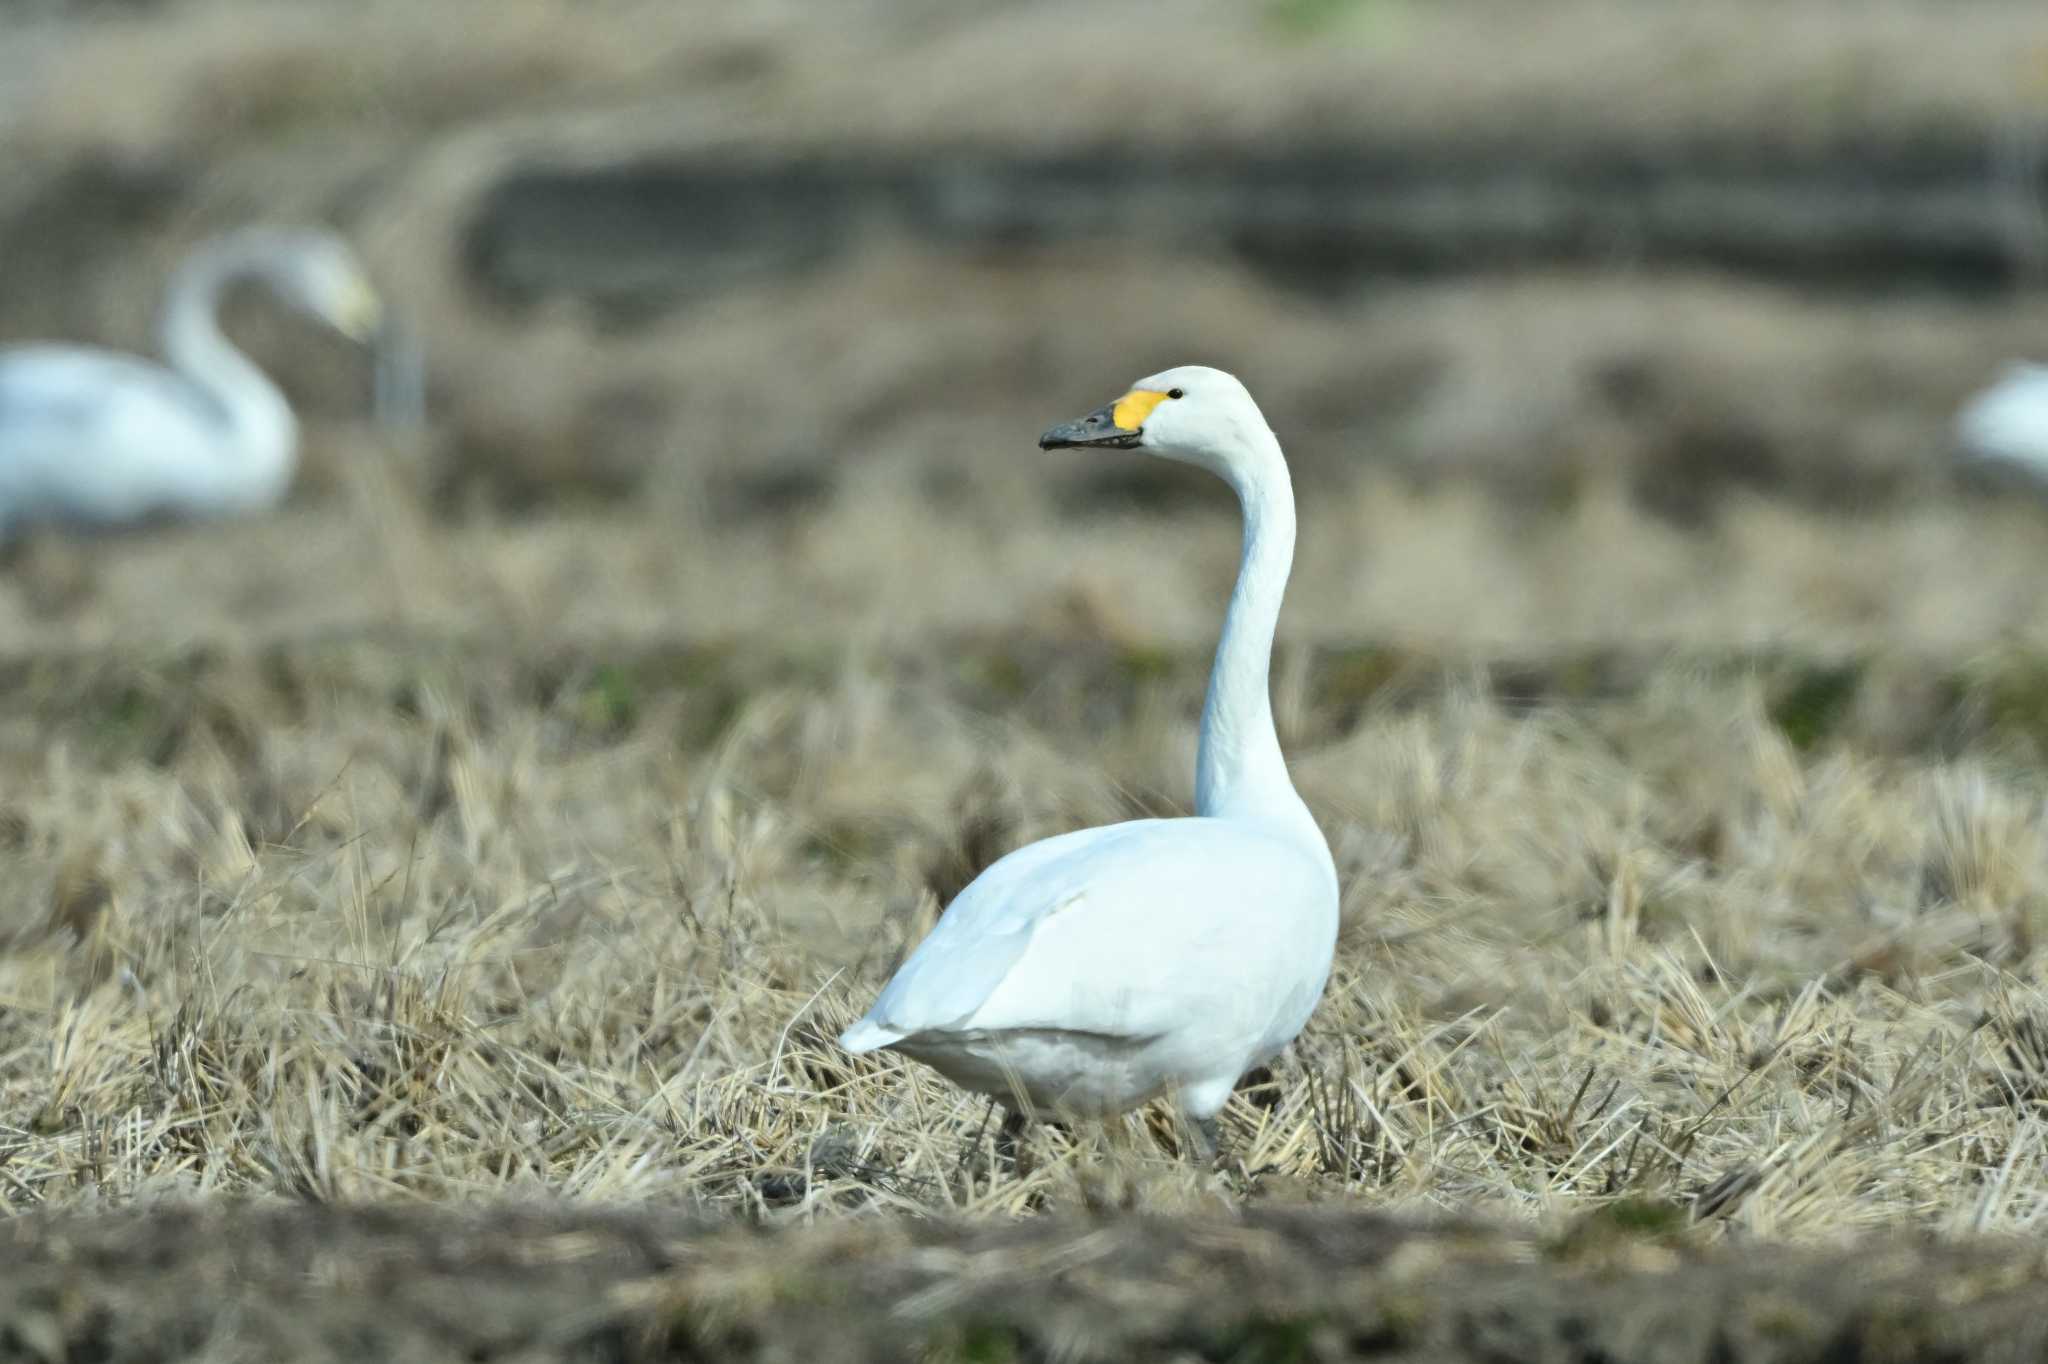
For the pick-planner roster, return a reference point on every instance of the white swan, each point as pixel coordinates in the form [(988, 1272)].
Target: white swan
[(2006, 425), (95, 437), (1087, 973)]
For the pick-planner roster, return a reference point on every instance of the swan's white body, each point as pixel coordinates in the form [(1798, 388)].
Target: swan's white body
[(95, 437), (2008, 422), (1087, 973)]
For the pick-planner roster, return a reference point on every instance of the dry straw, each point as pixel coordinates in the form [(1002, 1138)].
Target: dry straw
[(354, 921)]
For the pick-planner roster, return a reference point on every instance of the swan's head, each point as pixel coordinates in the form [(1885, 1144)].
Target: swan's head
[(316, 273), (328, 283), (1194, 414)]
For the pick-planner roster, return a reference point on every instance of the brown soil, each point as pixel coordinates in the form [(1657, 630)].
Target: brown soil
[(545, 1283)]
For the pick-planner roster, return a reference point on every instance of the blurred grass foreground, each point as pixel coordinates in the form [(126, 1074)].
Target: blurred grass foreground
[(497, 835)]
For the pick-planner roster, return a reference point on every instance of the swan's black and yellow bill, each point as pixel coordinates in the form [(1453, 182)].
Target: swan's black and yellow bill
[(1115, 427), (356, 311)]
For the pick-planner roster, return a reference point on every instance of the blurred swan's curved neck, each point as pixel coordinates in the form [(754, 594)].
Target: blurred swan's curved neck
[(1239, 770), (256, 420)]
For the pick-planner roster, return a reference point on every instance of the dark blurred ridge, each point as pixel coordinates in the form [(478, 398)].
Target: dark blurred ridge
[(640, 235), (552, 1282)]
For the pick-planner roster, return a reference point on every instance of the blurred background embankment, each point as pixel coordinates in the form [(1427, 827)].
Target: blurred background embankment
[(1585, 322)]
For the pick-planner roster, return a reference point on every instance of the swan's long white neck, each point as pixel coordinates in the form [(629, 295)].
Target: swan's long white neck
[(262, 433), (1239, 770)]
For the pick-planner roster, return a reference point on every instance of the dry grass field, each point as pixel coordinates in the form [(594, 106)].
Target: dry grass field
[(500, 834), (356, 919), (1684, 951)]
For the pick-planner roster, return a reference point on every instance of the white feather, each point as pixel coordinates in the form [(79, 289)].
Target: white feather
[(2007, 423)]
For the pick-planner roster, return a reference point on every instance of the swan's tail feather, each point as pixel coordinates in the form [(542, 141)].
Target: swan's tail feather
[(868, 1035)]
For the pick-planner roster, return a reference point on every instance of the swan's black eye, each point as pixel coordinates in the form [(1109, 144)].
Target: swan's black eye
[(1176, 393)]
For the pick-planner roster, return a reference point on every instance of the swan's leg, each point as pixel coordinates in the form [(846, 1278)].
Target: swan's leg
[(1008, 1147), (972, 1149), (1199, 1105), (1009, 1152)]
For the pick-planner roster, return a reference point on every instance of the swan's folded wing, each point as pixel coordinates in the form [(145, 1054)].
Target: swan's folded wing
[(1120, 934), (1214, 928), (70, 388), (81, 430), (980, 936)]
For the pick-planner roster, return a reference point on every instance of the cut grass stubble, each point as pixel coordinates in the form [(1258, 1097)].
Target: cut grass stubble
[(359, 922)]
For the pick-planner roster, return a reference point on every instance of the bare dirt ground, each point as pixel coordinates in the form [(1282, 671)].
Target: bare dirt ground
[(542, 1283), (500, 834)]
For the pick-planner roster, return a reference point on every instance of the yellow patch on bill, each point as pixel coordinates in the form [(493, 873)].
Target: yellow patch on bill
[(361, 312), (1131, 410)]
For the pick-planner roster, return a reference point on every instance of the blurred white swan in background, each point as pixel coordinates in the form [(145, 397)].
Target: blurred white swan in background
[(95, 437), (2006, 425), (1084, 974)]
